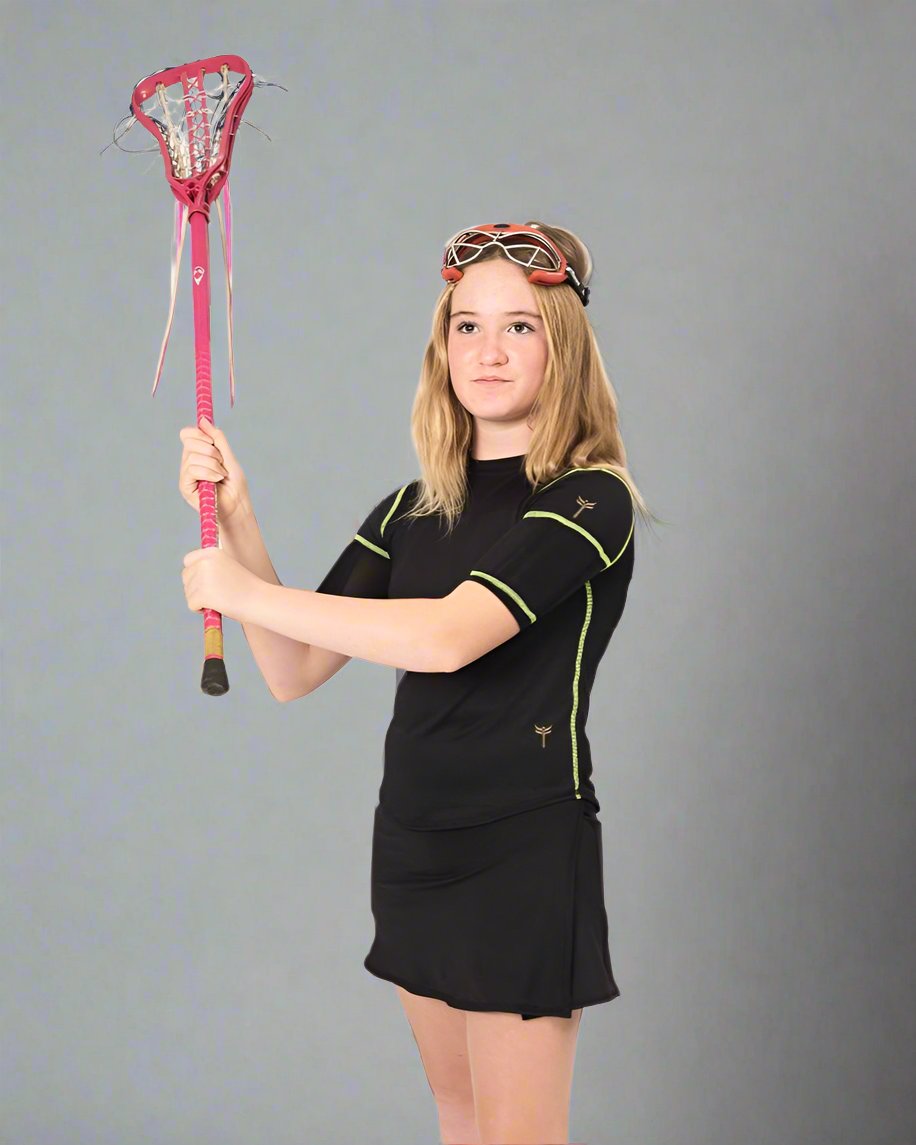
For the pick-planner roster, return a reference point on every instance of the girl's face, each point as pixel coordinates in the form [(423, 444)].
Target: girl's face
[(488, 337)]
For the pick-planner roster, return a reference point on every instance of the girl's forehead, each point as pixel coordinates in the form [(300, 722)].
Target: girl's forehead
[(493, 290)]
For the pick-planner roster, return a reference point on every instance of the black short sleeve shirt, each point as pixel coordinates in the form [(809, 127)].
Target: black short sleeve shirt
[(505, 733)]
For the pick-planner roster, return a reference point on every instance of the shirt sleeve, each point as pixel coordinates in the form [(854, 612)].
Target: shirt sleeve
[(364, 566), (575, 527)]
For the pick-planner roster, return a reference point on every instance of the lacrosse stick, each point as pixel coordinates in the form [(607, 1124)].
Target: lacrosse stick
[(195, 129)]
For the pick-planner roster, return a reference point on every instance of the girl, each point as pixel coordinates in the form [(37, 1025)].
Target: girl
[(493, 584)]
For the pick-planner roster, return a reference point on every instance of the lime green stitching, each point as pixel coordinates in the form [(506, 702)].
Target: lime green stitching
[(585, 533), (588, 536), (585, 469), (575, 707), (369, 545), (572, 525), (509, 592), (394, 505), (627, 541)]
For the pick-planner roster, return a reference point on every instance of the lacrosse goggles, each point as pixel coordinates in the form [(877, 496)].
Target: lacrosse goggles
[(530, 248)]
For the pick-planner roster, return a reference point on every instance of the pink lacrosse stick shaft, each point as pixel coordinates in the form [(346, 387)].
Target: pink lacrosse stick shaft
[(214, 678), (206, 490)]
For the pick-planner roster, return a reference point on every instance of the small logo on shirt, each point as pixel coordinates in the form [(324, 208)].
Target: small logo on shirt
[(543, 731), (583, 504)]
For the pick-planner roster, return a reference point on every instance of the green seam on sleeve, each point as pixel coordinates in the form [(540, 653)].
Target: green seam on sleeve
[(369, 545), (572, 525), (585, 533), (598, 469), (508, 591), (586, 469), (394, 505)]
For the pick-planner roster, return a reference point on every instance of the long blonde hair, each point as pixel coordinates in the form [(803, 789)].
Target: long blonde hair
[(575, 420)]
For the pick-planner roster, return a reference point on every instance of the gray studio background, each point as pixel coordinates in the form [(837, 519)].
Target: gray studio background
[(185, 890)]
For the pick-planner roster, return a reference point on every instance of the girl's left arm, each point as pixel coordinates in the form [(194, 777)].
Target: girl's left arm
[(413, 633)]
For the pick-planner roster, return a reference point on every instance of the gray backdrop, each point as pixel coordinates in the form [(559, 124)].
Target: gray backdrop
[(186, 879)]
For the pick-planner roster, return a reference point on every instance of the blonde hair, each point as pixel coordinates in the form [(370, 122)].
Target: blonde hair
[(575, 412)]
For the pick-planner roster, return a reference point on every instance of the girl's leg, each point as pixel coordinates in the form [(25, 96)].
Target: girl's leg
[(440, 1032), (522, 1076)]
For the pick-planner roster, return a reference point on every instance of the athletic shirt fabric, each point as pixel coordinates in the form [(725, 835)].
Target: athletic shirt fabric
[(505, 733)]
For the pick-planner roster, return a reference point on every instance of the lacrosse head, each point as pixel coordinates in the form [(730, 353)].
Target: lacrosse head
[(194, 126)]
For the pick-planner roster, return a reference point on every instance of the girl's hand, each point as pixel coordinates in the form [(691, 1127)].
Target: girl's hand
[(213, 579), (208, 457)]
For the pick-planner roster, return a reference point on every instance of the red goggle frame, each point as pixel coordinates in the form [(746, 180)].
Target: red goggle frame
[(530, 248)]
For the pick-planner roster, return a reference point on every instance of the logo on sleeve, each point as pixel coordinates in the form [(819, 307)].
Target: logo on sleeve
[(543, 731), (583, 504)]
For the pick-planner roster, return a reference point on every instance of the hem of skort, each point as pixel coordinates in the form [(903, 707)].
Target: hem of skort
[(463, 1004)]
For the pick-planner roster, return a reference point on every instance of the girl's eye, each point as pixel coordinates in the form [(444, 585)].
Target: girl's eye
[(461, 325)]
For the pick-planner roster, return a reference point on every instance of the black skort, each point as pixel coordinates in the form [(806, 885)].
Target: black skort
[(507, 915)]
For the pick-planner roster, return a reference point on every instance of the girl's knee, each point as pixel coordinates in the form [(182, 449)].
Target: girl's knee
[(458, 1121)]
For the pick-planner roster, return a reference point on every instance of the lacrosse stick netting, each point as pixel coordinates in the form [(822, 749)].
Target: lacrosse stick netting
[(195, 128)]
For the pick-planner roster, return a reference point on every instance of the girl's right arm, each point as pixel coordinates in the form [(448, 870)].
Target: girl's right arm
[(289, 667)]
